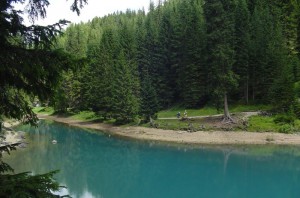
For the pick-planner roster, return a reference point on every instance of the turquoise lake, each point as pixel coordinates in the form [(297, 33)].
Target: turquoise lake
[(95, 165)]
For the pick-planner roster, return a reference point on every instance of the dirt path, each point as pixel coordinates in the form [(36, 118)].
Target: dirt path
[(246, 115), (200, 138)]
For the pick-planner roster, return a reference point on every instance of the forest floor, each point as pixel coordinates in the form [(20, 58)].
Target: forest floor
[(206, 122), (213, 137)]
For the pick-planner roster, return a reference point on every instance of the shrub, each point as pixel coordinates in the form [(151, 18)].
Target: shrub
[(286, 128), (297, 109), (285, 119)]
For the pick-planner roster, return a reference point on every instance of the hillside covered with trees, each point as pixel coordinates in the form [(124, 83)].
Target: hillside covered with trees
[(188, 52)]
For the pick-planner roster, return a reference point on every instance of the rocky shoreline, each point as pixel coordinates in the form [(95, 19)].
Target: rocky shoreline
[(9, 136)]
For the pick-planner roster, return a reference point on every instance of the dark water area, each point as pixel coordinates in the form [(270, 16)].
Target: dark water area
[(93, 164)]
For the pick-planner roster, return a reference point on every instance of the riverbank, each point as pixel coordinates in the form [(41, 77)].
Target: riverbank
[(184, 137)]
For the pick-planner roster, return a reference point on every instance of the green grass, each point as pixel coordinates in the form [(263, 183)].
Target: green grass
[(91, 116), (175, 124), (262, 124), (43, 110), (297, 124), (267, 124), (86, 116), (191, 112), (247, 108), (256, 123), (207, 110)]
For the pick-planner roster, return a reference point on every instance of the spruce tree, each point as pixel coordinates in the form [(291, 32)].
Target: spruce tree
[(125, 104), (242, 39), (220, 47), (102, 59), (149, 101), (192, 70)]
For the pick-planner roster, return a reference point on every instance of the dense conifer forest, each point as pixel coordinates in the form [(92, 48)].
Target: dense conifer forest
[(184, 52)]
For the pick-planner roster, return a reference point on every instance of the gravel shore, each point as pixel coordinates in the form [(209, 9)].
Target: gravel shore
[(184, 137)]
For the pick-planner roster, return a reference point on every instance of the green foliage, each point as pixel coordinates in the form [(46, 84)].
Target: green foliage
[(29, 67), (25, 184), (280, 123), (262, 124), (247, 108), (220, 24), (286, 128), (285, 119), (149, 101), (190, 52), (86, 116), (191, 112), (296, 109), (43, 110), (209, 110), (125, 104), (242, 37), (282, 92), (297, 89)]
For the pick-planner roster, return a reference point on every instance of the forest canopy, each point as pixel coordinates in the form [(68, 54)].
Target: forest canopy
[(188, 52)]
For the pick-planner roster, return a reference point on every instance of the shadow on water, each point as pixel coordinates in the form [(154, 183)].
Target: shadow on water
[(95, 165)]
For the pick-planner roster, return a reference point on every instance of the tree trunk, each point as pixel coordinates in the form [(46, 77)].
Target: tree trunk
[(227, 117)]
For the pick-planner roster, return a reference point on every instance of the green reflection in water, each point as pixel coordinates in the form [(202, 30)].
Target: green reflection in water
[(95, 165)]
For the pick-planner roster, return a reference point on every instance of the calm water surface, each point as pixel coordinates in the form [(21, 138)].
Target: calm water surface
[(95, 165)]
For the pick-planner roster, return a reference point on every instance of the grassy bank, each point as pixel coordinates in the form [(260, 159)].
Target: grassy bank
[(43, 110), (207, 110), (209, 123), (268, 124)]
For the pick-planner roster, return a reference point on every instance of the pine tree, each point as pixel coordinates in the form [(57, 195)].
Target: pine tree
[(242, 37), (267, 52), (102, 59), (192, 68), (125, 104), (149, 101), (282, 92), (220, 46), (164, 55), (76, 40)]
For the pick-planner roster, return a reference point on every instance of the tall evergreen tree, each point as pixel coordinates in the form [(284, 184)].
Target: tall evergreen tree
[(102, 59), (192, 70), (149, 101), (267, 52), (125, 104), (220, 45), (242, 37)]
